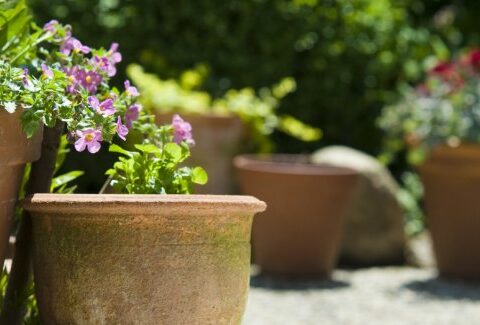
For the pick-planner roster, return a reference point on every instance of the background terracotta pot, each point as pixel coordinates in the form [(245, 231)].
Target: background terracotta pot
[(142, 259), (15, 151), (300, 233), (222, 138), (451, 177)]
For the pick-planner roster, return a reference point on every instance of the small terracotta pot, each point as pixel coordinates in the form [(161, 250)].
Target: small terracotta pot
[(15, 151), (141, 259), (451, 177), (222, 138), (300, 233)]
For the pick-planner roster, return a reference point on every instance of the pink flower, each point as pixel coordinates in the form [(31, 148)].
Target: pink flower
[(131, 90), (89, 80), (72, 44), (90, 139), (47, 72), (26, 82), (115, 56), (182, 131), (132, 114), (108, 62), (105, 108), (122, 130), (51, 26)]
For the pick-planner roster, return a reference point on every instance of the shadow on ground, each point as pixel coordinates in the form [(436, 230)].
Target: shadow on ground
[(283, 283), (439, 288)]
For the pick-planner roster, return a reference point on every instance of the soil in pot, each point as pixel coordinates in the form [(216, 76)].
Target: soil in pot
[(15, 151), (142, 259), (300, 233), (222, 139), (451, 177)]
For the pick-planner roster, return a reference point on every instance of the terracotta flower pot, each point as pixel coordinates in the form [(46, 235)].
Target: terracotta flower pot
[(141, 259), (300, 233), (222, 138), (451, 177), (15, 151)]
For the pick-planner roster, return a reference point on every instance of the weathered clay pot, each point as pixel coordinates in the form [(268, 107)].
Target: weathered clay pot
[(15, 151), (451, 177), (141, 259), (222, 138), (300, 233)]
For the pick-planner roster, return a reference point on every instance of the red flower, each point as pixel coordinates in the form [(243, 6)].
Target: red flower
[(447, 71), (443, 69), (472, 59)]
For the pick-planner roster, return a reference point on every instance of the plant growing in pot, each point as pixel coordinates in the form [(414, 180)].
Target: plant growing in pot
[(301, 232), (437, 123), (63, 86), (148, 255), (240, 121)]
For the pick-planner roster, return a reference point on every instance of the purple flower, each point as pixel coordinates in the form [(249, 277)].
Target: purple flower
[(27, 83), (82, 78), (90, 139), (88, 80), (51, 26), (72, 44), (114, 55), (131, 90), (182, 131), (108, 62), (47, 72), (105, 108), (72, 76), (122, 130), (132, 114)]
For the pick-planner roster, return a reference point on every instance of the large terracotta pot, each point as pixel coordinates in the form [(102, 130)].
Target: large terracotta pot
[(300, 233), (222, 138), (141, 259), (15, 151), (451, 177)]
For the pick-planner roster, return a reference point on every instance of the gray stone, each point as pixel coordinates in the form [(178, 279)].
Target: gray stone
[(374, 221)]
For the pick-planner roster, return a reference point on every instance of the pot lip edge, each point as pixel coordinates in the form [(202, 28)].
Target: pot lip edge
[(253, 162), (72, 201)]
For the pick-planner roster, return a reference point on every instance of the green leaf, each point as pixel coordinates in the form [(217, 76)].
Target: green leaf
[(199, 176), (14, 20), (30, 127), (148, 148), (298, 129), (174, 151), (64, 179), (118, 149)]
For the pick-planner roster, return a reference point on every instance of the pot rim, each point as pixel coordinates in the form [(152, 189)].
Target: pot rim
[(300, 165), (121, 204)]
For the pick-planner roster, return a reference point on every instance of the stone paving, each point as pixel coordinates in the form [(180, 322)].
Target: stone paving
[(391, 295)]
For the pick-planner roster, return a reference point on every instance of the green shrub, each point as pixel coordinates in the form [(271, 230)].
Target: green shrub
[(346, 56)]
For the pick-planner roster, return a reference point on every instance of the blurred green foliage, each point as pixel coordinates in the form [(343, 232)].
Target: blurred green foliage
[(258, 110), (346, 56)]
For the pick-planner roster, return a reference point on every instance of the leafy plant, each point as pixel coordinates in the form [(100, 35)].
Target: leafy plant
[(257, 110), (68, 81), (32, 316), (154, 167), (15, 22), (409, 197), (442, 110)]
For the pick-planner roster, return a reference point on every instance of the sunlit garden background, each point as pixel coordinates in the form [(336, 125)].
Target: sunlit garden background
[(372, 105)]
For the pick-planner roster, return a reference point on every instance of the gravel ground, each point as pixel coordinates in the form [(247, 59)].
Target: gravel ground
[(393, 295)]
